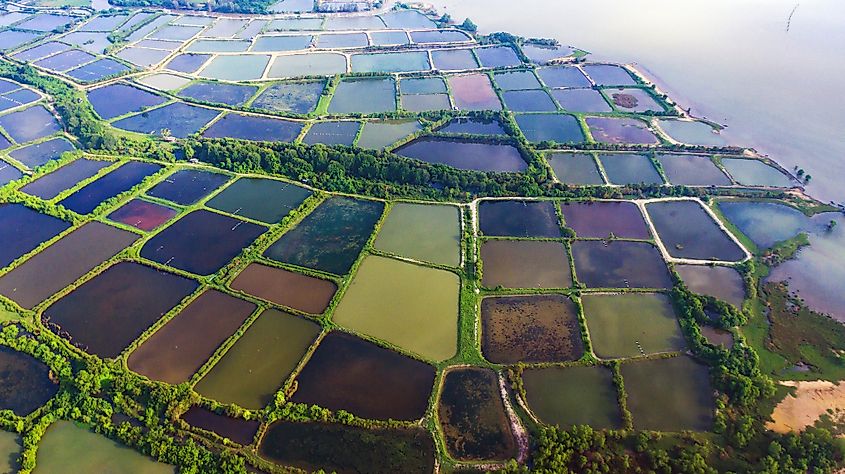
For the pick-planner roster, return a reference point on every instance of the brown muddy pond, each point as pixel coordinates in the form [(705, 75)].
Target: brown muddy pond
[(236, 429), (718, 337), (24, 382), (518, 219), (201, 242), (539, 328), (106, 313), (286, 288), (177, 350), (525, 264), (473, 417), (601, 219), (348, 449), (348, 373), (619, 264), (63, 262)]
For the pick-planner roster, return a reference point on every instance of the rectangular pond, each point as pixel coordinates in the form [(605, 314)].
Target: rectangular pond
[(296, 97), (236, 68), (257, 365), (723, 283), (331, 237), (563, 76), (341, 132), (410, 306), (474, 92), (187, 63), (23, 230), (465, 154), (497, 57), (692, 170), (286, 288), (530, 329), (201, 242), (621, 130), (609, 75), (27, 384), (105, 314), (119, 99), (308, 64), (112, 184), (617, 264), (569, 396), (518, 218), (581, 100), (604, 219), (177, 351), (52, 184), (30, 124), (142, 215), (377, 135), (39, 154), (364, 96), (366, 380), (629, 168), (525, 264), (179, 118), (452, 59), (575, 168), (238, 430), (63, 262), (399, 61), (254, 128), (430, 233), (261, 199), (188, 186), (558, 128), (528, 101), (227, 94)]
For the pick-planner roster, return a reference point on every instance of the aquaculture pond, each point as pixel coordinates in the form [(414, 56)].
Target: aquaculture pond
[(691, 132), (717, 337), (472, 415), (410, 306), (756, 173), (538, 328), (439, 36), (42, 50), (633, 100), (65, 61), (257, 365), (228, 94), (178, 350), (422, 85), (560, 128), (296, 97), (63, 262), (8, 173), (617, 264), (201, 242), (767, 223), (389, 38), (235, 429), (399, 61), (98, 70), (331, 237), (518, 218), (143, 215), (525, 264), (465, 154), (430, 233), (407, 19), (602, 219), (348, 449), (188, 186), (255, 128), (142, 57), (473, 126), (25, 382), (581, 100), (342, 40), (692, 170), (631, 324), (529, 101), (575, 168), (286, 288), (164, 81), (366, 380), (281, 43), (687, 406), (688, 231), (723, 283), (261, 199), (563, 76), (364, 96), (236, 67), (108, 312), (621, 130), (332, 133), (30, 124), (629, 168), (474, 92), (309, 64), (569, 396), (187, 63), (179, 118), (378, 135), (609, 75), (120, 180), (497, 56), (23, 230), (67, 447), (39, 154), (10, 448), (452, 59), (516, 80)]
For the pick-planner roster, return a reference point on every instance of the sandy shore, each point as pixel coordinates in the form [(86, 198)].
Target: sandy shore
[(810, 401)]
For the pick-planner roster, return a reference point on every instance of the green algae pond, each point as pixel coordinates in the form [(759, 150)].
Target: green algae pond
[(260, 360), (568, 396), (669, 394), (631, 324), (429, 233), (473, 417), (413, 307), (67, 447)]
